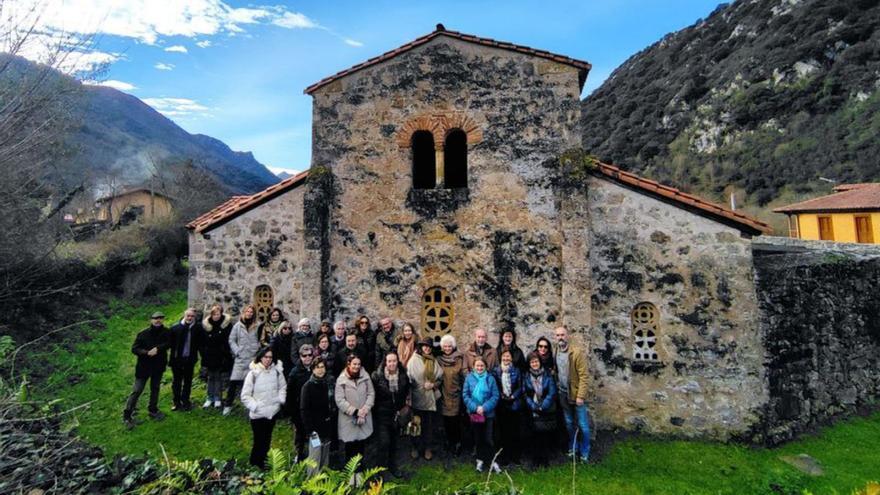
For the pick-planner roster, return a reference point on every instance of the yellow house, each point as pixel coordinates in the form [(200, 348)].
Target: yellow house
[(851, 214), (142, 204)]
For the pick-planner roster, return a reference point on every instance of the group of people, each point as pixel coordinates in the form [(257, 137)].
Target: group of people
[(363, 385)]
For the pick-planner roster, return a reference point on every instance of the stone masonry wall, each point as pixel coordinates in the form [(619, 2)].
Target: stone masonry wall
[(496, 246), (709, 381), (261, 246), (821, 325)]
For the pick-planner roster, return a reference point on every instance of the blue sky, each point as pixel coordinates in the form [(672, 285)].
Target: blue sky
[(236, 71)]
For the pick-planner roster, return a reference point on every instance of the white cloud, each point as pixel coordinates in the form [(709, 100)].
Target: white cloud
[(177, 49), (177, 107), (120, 85), (278, 170), (164, 66), (295, 20), (351, 42), (203, 43)]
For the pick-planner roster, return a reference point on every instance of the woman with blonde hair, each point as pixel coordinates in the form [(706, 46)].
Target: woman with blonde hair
[(244, 342), (406, 343), (216, 356)]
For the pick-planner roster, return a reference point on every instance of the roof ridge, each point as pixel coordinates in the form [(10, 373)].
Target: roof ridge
[(582, 65)]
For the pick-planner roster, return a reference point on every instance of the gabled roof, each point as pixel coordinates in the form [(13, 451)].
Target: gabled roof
[(583, 67), (684, 200), (237, 205), (849, 197)]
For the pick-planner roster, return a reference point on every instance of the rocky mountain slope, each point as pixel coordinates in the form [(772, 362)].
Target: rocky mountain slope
[(115, 136), (762, 98)]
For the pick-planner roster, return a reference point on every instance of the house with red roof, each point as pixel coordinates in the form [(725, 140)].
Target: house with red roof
[(443, 191), (850, 214)]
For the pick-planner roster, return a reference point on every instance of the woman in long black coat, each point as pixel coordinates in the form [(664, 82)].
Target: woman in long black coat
[(318, 411), (215, 353), (392, 393)]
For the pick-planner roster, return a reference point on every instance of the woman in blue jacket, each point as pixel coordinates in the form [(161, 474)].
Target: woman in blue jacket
[(508, 417), (539, 391), (480, 397)]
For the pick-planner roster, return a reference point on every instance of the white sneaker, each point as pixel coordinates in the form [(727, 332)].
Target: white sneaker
[(227, 410), (496, 468), (217, 404), (479, 466), (207, 404)]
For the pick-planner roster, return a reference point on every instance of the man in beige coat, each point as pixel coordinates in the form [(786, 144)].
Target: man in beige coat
[(571, 383)]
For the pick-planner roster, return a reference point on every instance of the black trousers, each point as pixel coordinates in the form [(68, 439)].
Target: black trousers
[(539, 444), (508, 425), (452, 428), (262, 429), (139, 384), (233, 392), (386, 441), (425, 441), (354, 448), (181, 382), (300, 435), (483, 439)]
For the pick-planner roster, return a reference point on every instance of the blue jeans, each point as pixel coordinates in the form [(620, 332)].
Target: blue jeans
[(573, 412)]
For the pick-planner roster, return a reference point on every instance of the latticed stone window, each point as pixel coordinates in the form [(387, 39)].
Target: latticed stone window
[(264, 300), (437, 311), (645, 326)]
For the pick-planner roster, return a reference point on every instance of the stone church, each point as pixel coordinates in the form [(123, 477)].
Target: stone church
[(443, 191)]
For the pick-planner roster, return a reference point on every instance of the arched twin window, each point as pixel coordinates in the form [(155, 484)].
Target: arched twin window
[(453, 158)]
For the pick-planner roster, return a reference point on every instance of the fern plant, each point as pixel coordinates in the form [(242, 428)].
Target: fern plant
[(349, 481)]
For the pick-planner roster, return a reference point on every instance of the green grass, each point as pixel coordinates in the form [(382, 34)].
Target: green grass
[(847, 451), (105, 368)]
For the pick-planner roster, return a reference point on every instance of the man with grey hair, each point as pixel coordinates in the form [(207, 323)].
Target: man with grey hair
[(386, 341), (184, 346), (480, 348), (302, 336), (337, 340)]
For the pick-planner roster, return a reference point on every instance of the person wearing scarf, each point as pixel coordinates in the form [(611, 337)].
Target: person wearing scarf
[(392, 395), (184, 354), (244, 343), (508, 418), (406, 343), (507, 342), (539, 391), (263, 392), (216, 355), (425, 375), (318, 410), (354, 397), (481, 398), (452, 363), (272, 327)]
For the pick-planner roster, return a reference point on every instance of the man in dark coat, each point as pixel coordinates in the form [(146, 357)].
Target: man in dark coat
[(298, 377), (151, 348), (351, 347), (185, 344)]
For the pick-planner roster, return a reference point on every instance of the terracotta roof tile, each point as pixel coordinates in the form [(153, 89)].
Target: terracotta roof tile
[(582, 66), (237, 205), (851, 197), (713, 210)]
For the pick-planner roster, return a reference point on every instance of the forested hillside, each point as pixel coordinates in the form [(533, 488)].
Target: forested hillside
[(762, 98)]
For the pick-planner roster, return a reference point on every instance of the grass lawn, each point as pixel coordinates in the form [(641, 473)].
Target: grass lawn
[(102, 370)]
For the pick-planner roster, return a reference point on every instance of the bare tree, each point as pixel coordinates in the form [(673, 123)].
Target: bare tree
[(35, 113)]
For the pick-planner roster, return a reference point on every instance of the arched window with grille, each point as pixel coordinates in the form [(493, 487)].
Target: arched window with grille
[(437, 312), (645, 331), (424, 160), (455, 159), (264, 300)]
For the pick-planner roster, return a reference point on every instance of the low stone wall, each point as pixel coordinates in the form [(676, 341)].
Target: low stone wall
[(821, 325)]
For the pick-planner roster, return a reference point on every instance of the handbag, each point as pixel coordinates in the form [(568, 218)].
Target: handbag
[(477, 418)]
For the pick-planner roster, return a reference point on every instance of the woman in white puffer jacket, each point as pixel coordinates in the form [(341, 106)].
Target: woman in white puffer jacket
[(263, 393)]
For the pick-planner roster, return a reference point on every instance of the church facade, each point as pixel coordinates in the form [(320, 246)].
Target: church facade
[(444, 191)]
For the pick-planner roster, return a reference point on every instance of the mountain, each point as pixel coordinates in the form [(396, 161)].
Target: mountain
[(121, 134), (108, 134), (762, 98), (284, 175)]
